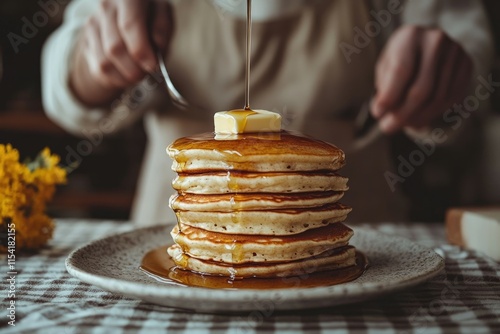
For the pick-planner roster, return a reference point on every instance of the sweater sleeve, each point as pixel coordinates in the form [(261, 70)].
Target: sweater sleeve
[(60, 104)]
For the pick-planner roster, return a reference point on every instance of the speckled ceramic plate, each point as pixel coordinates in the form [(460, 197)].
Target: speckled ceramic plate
[(113, 264)]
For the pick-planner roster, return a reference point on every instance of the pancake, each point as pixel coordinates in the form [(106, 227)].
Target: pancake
[(259, 205), (330, 260), (253, 201), (236, 249), (240, 182), (265, 222), (254, 152)]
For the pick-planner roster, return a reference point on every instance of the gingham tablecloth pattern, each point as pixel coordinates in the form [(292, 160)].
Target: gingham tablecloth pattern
[(465, 299)]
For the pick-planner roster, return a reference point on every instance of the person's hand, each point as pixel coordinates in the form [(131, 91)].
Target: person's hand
[(420, 74), (116, 48)]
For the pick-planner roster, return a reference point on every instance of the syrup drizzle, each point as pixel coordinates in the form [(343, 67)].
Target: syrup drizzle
[(241, 115), (248, 52)]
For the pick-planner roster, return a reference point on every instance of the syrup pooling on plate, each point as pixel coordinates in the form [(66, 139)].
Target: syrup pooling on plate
[(158, 265)]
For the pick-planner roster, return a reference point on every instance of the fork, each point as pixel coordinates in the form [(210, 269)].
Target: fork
[(174, 94)]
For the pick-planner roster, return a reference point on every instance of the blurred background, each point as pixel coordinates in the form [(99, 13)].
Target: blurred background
[(103, 185)]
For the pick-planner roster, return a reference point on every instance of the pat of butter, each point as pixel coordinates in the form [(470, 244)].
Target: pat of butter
[(244, 121)]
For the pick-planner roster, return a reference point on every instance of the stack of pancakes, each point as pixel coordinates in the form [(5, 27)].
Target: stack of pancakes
[(259, 205)]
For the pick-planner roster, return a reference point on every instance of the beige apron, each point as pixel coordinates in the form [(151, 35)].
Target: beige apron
[(298, 69)]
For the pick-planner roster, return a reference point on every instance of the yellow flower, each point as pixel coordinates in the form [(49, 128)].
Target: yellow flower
[(25, 190)]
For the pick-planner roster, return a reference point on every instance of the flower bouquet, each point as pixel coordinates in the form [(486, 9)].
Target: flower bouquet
[(25, 190)]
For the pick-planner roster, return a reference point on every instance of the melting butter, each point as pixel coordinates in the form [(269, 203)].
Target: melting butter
[(245, 121)]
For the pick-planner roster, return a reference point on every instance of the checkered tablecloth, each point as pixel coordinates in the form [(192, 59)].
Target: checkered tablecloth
[(465, 299)]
